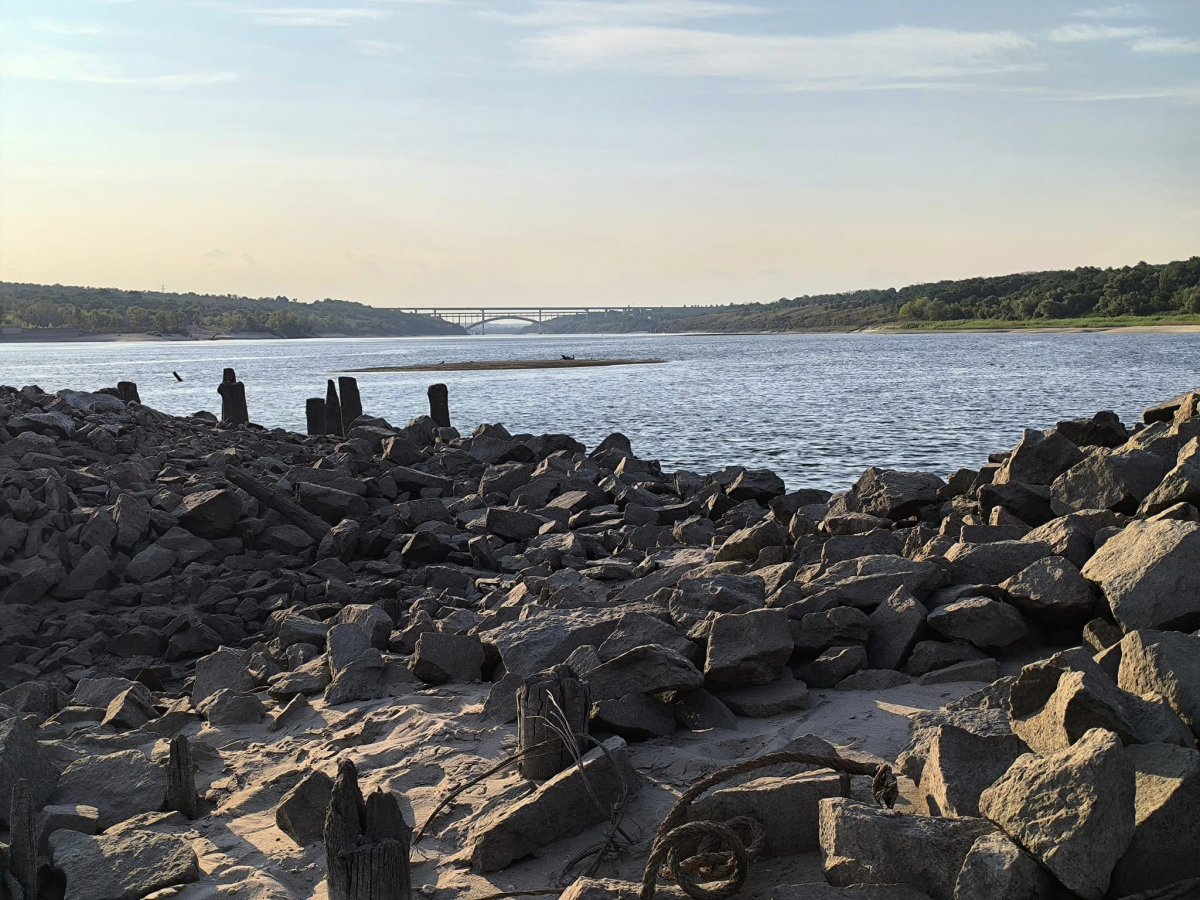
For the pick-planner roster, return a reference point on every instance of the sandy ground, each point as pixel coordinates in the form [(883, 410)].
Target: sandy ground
[(424, 741), (507, 364)]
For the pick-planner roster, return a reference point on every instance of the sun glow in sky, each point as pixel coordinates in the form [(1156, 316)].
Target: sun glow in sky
[(444, 152)]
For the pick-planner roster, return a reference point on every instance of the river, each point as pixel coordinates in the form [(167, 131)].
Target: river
[(817, 409)]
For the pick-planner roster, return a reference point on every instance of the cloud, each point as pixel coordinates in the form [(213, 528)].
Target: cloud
[(249, 260), (51, 26), (214, 256), (1120, 11), (1167, 45), (1189, 94), (597, 12), (888, 58), (83, 68), (1078, 34), (315, 16), (379, 48)]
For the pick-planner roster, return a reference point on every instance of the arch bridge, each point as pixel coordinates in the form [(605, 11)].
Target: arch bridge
[(478, 318)]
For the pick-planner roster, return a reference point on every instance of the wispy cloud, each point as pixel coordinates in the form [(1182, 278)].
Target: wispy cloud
[(315, 16), (1174, 45), (52, 26), (379, 48), (623, 12), (1120, 11), (83, 68), (888, 58), (1078, 34)]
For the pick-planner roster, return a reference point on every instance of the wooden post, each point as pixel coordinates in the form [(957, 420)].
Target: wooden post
[(366, 843), (233, 399), (543, 700), (333, 411), (314, 414), (127, 391), (351, 401), (23, 841), (181, 779), (439, 405)]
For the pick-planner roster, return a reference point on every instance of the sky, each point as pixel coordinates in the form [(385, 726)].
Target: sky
[(566, 152)]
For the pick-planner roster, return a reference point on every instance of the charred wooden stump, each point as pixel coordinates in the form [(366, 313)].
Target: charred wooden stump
[(181, 779), (439, 405), (366, 843), (548, 703), (351, 401), (314, 415), (333, 411), (128, 392), (23, 843), (233, 400)]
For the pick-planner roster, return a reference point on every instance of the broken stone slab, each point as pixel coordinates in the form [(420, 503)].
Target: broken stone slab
[(119, 785), (698, 710), (529, 645), (448, 658), (639, 629), (896, 626), (979, 621), (72, 817), (559, 808), (301, 811), (960, 766), (132, 708), (224, 668), (635, 717), (1106, 479), (1039, 458), (1148, 575), (227, 707), (785, 806), (834, 665), (786, 694), (869, 580), (747, 649), (929, 656), (993, 562), (1052, 590), (873, 680), (1072, 810), (122, 866), (863, 844), (968, 670), (890, 494), (649, 669)]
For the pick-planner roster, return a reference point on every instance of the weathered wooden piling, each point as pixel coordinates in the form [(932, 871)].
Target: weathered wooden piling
[(23, 839), (314, 415), (439, 405), (333, 411), (233, 400), (351, 401), (548, 703), (366, 843), (181, 779), (127, 391)]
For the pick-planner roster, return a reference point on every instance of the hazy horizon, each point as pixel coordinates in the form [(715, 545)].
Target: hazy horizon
[(449, 152)]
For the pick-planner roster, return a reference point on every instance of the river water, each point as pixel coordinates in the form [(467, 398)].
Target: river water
[(817, 409)]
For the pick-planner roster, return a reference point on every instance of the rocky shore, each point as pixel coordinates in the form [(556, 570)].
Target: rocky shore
[(242, 663)]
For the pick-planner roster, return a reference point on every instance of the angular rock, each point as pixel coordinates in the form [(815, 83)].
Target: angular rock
[(227, 707), (891, 494), (994, 562), (896, 626), (980, 621), (442, 658), (747, 649), (960, 766), (648, 669), (785, 694), (209, 514), (834, 665), (635, 717), (127, 865), (1073, 810), (1165, 663), (1052, 590), (226, 668), (22, 757), (301, 811), (119, 785), (1039, 458), (1116, 480), (864, 844), (997, 869)]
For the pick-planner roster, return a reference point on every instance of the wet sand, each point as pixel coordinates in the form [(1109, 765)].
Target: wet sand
[(489, 365)]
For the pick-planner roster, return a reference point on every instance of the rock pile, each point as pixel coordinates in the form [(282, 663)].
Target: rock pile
[(256, 590)]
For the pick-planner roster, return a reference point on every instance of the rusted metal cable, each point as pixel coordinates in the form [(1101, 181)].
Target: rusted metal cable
[(678, 843)]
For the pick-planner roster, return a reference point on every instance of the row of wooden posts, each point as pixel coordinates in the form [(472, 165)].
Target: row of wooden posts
[(332, 414)]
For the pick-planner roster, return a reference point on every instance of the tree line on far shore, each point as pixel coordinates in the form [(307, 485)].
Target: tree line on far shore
[(108, 310), (1087, 292)]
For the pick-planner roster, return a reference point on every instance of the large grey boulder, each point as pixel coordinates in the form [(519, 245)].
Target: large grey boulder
[(119, 785), (746, 649), (960, 766), (997, 869), (301, 811), (1116, 480), (834, 665), (639, 629), (559, 808), (448, 658), (785, 694), (1039, 458), (531, 644), (1051, 590), (786, 806), (635, 717), (648, 669), (127, 865), (897, 625), (979, 621), (1166, 830), (1166, 663), (863, 844), (1070, 537), (209, 514), (92, 571), (1148, 574), (869, 580), (1073, 810), (840, 626), (223, 669), (22, 757), (889, 494), (993, 562)]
